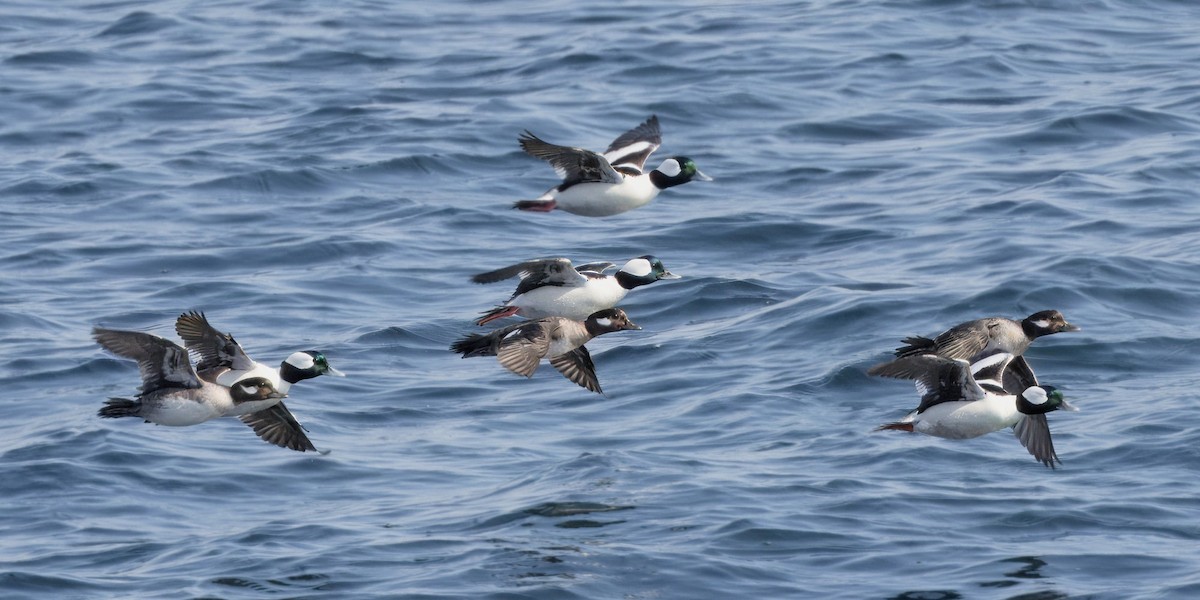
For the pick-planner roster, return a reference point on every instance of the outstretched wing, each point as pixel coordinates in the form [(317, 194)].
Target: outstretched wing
[(1019, 376), (630, 150), (574, 165), (161, 362), (596, 267), (964, 340), (577, 366), (215, 349), (523, 347), (938, 379), (277, 426), (1034, 433), (537, 273)]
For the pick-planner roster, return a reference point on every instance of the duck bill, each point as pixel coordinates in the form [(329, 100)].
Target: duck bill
[(1067, 406), (669, 275), (701, 176), (334, 372), (632, 325), (277, 394), (1070, 327)]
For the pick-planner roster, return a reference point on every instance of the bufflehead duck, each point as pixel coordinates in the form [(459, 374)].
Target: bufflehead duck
[(173, 394), (972, 338), (961, 400), (601, 185), (223, 360), (551, 287), (521, 347)]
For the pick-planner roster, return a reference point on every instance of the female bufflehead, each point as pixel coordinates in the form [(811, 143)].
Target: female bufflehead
[(600, 185), (173, 394), (967, 340), (522, 346), (551, 287), (961, 400)]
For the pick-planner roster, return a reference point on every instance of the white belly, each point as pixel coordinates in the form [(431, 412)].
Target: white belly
[(571, 302), (963, 420), (606, 199), (175, 410)]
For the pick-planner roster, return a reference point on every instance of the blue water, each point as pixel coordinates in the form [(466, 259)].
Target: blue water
[(329, 175)]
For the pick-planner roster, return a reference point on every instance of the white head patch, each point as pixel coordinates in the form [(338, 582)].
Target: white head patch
[(605, 323), (1035, 395), (301, 360), (638, 267), (1041, 324), (670, 167)]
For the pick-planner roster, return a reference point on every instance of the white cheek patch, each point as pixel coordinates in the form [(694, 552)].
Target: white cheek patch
[(670, 167), (249, 390), (301, 360), (1042, 324), (1035, 395), (638, 267), (606, 323)]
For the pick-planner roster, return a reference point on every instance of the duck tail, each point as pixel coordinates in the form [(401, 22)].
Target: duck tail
[(497, 313), (916, 345), (898, 426), (475, 344), (535, 205), (120, 407)]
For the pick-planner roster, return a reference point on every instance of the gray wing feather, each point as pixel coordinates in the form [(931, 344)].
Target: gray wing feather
[(1019, 376), (277, 426), (161, 362), (574, 165), (523, 347), (939, 379), (963, 341), (1034, 433), (632, 148), (595, 267), (216, 349), (577, 366)]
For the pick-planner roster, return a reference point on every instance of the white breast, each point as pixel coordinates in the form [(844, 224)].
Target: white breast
[(606, 199), (570, 302), (963, 420)]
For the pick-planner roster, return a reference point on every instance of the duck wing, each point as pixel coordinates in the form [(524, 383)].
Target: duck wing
[(574, 165), (1019, 376), (277, 426), (577, 366), (537, 273), (964, 340), (631, 149), (163, 364), (522, 348), (216, 349), (938, 379), (1034, 433)]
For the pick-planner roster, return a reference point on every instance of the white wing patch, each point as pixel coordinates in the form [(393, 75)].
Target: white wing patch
[(638, 267)]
